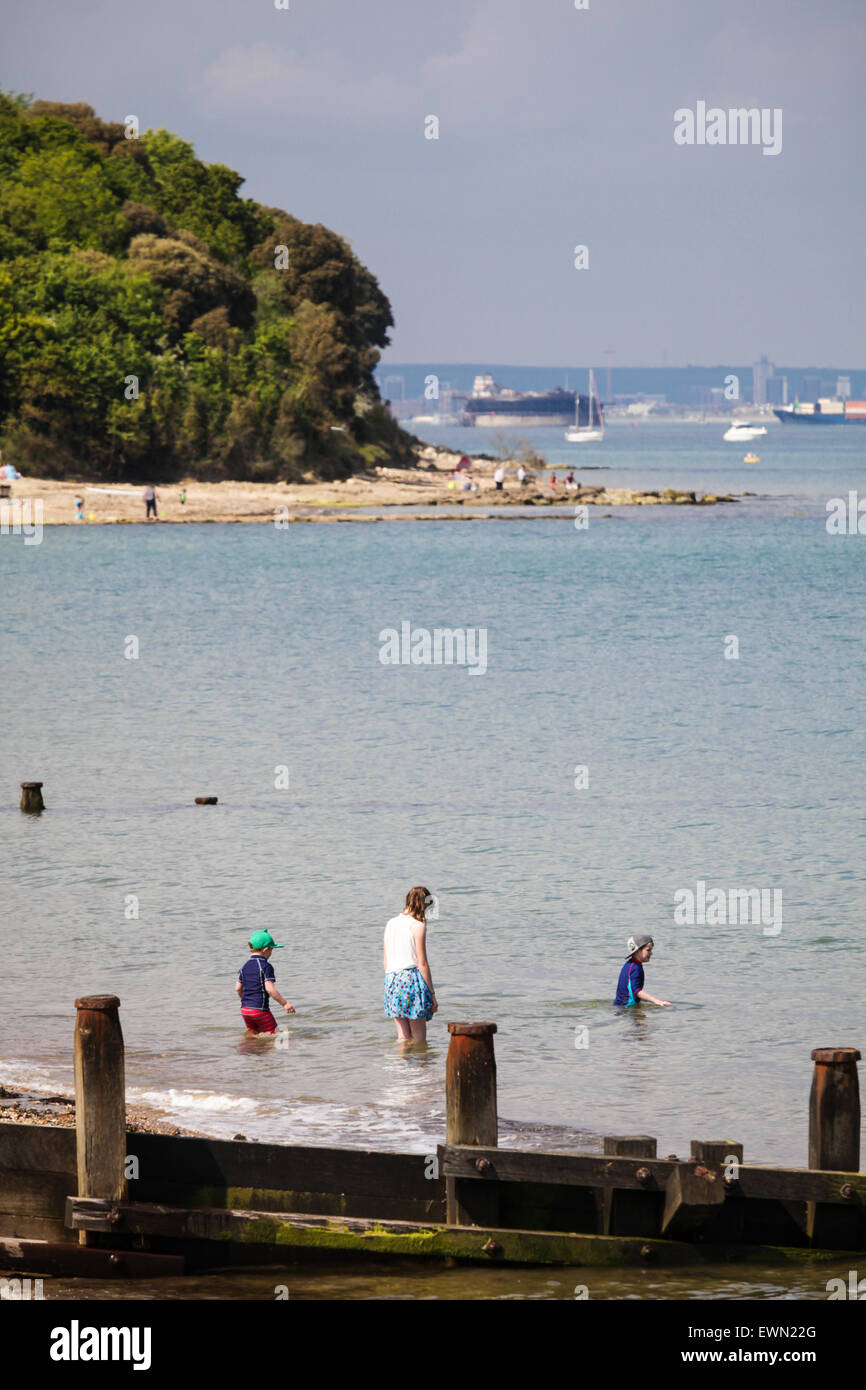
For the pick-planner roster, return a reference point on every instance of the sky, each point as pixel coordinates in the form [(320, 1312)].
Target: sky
[(555, 130)]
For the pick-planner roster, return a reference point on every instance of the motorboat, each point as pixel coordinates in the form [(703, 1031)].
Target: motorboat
[(741, 431)]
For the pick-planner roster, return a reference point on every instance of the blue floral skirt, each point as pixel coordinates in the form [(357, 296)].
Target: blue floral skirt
[(407, 995)]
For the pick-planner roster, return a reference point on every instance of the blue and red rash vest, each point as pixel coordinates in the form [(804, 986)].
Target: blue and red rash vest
[(630, 982), (253, 976)]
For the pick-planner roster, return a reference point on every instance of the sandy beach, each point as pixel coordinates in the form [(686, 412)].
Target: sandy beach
[(426, 485)]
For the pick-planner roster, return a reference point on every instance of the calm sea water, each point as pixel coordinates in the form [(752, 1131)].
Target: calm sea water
[(259, 649)]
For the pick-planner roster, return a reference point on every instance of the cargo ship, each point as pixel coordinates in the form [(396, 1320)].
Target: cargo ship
[(827, 410), (491, 404)]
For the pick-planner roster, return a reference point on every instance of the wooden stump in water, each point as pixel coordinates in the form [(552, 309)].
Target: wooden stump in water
[(31, 798), (471, 1118), (834, 1132), (206, 800), (834, 1110), (100, 1100)]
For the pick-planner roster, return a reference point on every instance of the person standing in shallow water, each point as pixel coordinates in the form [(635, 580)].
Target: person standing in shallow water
[(409, 995), (630, 986)]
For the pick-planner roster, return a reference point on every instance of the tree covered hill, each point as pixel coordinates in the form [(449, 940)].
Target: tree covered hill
[(151, 326)]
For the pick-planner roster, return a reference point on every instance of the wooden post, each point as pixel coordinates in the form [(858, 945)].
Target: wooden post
[(630, 1146), (715, 1153), (834, 1110), (627, 1211), (206, 800), (728, 1224), (834, 1130), (31, 798), (100, 1100), (471, 1118)]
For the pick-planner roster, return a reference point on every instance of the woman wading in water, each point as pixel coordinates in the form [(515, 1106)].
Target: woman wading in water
[(409, 996)]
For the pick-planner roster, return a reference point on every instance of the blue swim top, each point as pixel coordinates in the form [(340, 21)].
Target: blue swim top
[(630, 983)]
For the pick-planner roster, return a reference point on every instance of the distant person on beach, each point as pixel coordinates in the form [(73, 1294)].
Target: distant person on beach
[(569, 482), (409, 996), (182, 496), (499, 478), (630, 988), (150, 497), (521, 475), (552, 482), (256, 985), (79, 509)]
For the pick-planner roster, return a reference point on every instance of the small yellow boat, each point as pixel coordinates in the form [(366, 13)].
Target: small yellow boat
[(751, 458)]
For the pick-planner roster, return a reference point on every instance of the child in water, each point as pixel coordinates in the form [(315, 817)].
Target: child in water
[(256, 985), (409, 996), (630, 986)]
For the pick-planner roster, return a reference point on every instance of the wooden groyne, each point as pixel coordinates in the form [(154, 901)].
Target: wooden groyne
[(100, 1201)]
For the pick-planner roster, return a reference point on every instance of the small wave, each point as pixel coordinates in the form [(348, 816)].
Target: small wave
[(181, 1101)]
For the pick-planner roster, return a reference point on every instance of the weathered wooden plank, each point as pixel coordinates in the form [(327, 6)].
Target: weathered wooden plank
[(33, 1194), (803, 1184), (206, 1164), (42, 1148), (280, 1199), (83, 1262), (15, 1227), (377, 1237), (280, 1231), (591, 1170), (274, 1167)]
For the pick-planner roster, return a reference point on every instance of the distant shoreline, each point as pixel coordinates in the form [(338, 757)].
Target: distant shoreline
[(396, 489)]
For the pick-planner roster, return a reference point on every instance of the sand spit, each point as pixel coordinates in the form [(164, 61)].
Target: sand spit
[(425, 486)]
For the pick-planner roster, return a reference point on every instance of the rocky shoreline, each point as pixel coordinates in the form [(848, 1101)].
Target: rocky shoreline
[(27, 1108), (382, 493)]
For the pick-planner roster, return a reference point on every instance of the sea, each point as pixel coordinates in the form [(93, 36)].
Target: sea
[(673, 697)]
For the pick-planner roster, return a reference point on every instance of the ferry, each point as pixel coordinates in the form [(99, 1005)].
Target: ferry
[(493, 405)]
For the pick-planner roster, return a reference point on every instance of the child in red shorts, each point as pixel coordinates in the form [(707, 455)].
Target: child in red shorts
[(256, 985)]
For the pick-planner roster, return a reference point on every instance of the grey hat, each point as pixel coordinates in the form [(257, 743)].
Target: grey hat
[(636, 942)]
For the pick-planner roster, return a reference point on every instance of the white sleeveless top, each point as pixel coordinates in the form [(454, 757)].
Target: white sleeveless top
[(400, 953)]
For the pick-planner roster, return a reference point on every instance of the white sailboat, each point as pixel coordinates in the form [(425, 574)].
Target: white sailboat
[(594, 431)]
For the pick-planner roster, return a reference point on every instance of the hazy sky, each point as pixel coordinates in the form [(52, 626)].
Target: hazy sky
[(555, 129)]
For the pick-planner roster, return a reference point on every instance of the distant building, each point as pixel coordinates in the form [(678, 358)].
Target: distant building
[(761, 373), (843, 387), (777, 390)]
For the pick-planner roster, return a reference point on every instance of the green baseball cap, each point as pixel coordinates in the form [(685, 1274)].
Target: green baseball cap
[(260, 939)]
